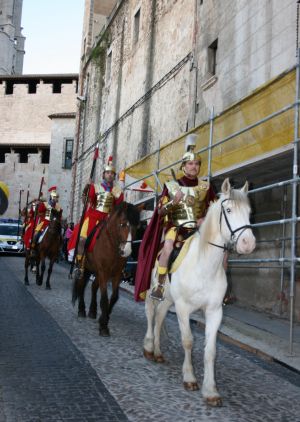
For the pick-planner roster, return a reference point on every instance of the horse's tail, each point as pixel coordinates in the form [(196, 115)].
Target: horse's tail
[(75, 290)]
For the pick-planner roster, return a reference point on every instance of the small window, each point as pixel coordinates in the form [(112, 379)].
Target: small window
[(108, 66), (45, 155), (136, 26), (67, 164), (212, 58)]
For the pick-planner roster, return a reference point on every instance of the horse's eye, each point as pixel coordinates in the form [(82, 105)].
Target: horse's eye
[(228, 210)]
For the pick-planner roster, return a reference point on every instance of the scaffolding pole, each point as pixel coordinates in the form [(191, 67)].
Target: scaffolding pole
[(294, 207), (293, 260)]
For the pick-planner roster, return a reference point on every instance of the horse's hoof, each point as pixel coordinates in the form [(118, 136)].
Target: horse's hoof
[(159, 359), (148, 355), (191, 386), (104, 332), (92, 314), (48, 287), (81, 314), (214, 401), (26, 283)]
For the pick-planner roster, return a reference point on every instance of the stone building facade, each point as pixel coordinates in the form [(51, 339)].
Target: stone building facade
[(26, 102), (156, 71), (61, 155), (11, 39)]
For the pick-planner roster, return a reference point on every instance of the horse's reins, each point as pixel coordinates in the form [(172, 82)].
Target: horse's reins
[(233, 238)]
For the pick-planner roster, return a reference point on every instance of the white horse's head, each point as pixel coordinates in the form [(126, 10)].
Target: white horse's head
[(234, 218)]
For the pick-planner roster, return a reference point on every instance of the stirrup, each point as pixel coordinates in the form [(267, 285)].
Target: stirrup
[(158, 292)]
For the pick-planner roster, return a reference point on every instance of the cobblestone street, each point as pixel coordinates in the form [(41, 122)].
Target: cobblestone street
[(55, 367)]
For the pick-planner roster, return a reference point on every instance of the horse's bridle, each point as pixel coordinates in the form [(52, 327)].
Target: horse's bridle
[(233, 239), (117, 242)]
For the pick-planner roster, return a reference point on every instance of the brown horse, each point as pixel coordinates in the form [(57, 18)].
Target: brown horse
[(49, 247), (106, 262)]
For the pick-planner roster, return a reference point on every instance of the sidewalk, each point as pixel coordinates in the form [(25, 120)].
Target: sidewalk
[(254, 331)]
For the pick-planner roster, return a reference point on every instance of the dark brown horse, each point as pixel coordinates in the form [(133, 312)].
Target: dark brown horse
[(49, 247), (106, 262)]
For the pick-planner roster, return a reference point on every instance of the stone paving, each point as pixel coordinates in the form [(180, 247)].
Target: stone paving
[(252, 389)]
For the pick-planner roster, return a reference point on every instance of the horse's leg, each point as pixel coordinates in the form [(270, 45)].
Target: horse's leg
[(149, 337), (43, 268), (213, 318), (159, 317), (104, 306), (51, 262), (115, 293), (27, 262), (183, 315), (37, 274), (93, 305), (81, 285)]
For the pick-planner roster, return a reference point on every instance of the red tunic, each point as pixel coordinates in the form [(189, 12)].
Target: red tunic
[(29, 225), (94, 216)]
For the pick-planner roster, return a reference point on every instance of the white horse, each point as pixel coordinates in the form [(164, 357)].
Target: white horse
[(200, 283)]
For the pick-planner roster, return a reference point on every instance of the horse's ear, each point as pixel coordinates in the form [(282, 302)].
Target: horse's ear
[(245, 188), (226, 187)]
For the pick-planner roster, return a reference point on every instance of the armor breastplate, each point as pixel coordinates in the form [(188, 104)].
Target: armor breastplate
[(49, 209), (191, 207), (48, 212), (104, 201)]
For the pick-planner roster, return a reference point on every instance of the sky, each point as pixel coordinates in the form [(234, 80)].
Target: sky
[(53, 30)]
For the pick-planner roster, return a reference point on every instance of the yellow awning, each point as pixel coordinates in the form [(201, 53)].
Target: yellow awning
[(265, 138)]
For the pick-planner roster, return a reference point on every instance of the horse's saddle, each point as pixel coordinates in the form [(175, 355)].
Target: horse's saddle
[(181, 247)]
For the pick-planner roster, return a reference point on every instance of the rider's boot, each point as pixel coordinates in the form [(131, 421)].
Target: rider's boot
[(158, 290), (80, 257)]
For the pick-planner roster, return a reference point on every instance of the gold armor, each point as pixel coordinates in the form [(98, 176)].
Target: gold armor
[(49, 209), (105, 200), (192, 205)]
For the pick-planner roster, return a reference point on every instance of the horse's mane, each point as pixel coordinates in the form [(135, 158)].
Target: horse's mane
[(211, 222), (131, 212)]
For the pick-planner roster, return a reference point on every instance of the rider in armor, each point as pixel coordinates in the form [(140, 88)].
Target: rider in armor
[(181, 209), (28, 223), (101, 199), (45, 214)]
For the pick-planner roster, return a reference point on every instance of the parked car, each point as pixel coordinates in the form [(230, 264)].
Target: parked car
[(10, 236)]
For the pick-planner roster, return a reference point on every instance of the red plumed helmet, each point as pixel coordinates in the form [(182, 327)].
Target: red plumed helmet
[(53, 192), (109, 166)]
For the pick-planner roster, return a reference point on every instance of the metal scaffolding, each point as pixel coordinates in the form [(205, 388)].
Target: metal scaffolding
[(283, 261)]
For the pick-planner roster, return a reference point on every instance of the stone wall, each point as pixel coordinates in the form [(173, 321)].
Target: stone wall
[(24, 116), (24, 122), (21, 176), (256, 42), (63, 129)]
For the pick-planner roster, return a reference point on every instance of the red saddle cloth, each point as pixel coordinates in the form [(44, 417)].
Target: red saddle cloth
[(93, 238)]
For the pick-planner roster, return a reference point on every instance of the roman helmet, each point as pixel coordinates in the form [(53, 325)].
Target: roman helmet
[(109, 166), (190, 155), (53, 193)]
